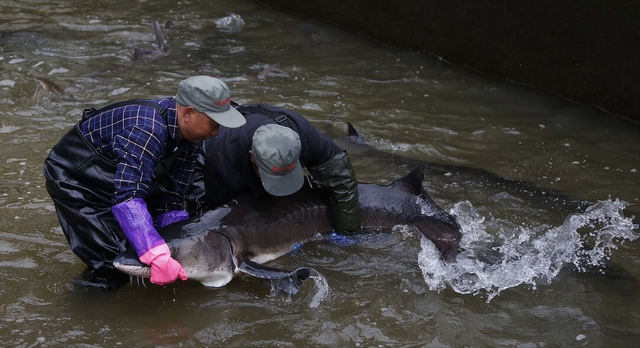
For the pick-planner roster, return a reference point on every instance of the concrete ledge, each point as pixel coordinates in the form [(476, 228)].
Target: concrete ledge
[(587, 51)]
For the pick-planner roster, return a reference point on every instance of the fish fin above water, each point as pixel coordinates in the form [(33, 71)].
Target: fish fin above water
[(161, 46), (49, 85), (285, 281), (353, 133), (161, 43), (412, 182)]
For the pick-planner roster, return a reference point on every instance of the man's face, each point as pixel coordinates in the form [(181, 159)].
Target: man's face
[(195, 126)]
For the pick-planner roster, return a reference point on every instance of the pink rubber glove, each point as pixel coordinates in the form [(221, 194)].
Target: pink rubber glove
[(164, 269)]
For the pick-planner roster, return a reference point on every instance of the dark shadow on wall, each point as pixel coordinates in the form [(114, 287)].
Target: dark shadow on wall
[(587, 51)]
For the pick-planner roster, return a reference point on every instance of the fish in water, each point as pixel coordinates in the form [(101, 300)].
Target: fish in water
[(161, 46), (263, 74), (452, 175), (49, 85), (244, 234), (169, 24)]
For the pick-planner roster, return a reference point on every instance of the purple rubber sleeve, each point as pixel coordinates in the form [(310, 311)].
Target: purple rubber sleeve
[(171, 217), (137, 225)]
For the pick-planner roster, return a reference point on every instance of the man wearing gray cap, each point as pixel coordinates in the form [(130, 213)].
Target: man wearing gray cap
[(127, 165), (266, 157)]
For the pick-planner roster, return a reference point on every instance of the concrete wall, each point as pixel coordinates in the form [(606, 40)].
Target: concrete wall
[(585, 50)]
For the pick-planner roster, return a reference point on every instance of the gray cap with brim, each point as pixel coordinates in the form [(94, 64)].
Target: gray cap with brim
[(212, 97), (276, 152)]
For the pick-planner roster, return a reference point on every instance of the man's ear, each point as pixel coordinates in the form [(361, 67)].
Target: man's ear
[(251, 156), (188, 112)]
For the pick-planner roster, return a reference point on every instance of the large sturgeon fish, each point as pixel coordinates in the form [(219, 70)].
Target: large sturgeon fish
[(248, 232)]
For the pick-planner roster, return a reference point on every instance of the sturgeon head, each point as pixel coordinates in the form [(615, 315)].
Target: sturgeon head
[(206, 258)]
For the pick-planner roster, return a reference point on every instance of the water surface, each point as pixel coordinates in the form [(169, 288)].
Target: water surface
[(530, 176)]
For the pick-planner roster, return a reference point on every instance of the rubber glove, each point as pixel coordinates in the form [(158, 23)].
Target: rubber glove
[(164, 269), (170, 217), (137, 225)]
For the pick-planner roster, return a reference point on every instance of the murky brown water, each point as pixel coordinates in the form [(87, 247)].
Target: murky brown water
[(407, 105)]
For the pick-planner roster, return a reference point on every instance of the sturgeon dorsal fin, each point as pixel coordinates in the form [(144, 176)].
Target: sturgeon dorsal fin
[(352, 130), (354, 134), (412, 182)]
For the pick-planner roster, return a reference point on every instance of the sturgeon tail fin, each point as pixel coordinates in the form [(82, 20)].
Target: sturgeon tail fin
[(412, 183), (445, 236)]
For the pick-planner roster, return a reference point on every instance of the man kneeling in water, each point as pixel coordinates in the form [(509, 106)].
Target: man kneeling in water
[(117, 170)]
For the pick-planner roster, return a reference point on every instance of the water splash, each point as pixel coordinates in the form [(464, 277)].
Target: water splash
[(519, 255), (312, 295), (320, 289), (232, 22)]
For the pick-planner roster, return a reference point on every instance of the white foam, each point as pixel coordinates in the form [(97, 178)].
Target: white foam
[(525, 256)]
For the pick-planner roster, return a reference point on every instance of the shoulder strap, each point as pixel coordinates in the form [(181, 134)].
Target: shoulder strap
[(261, 109), (164, 165), (90, 112)]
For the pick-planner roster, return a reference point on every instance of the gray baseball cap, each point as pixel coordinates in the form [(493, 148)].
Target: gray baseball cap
[(210, 96), (276, 152)]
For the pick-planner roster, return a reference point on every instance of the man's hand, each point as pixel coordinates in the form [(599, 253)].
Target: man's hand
[(164, 269)]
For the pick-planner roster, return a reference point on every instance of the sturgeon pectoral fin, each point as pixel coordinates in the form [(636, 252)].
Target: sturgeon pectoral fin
[(285, 281)]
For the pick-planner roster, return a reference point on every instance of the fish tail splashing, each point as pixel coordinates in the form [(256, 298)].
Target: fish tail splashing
[(518, 255)]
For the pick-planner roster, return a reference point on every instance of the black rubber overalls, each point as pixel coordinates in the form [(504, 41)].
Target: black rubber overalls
[(80, 182)]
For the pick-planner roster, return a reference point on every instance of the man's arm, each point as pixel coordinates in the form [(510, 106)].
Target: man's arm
[(337, 176)]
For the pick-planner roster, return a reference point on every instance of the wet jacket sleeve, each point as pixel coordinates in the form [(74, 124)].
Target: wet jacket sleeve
[(338, 177)]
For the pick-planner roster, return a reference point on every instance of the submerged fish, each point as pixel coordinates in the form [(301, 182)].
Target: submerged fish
[(169, 25), (263, 74), (452, 175), (50, 86), (161, 46)]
